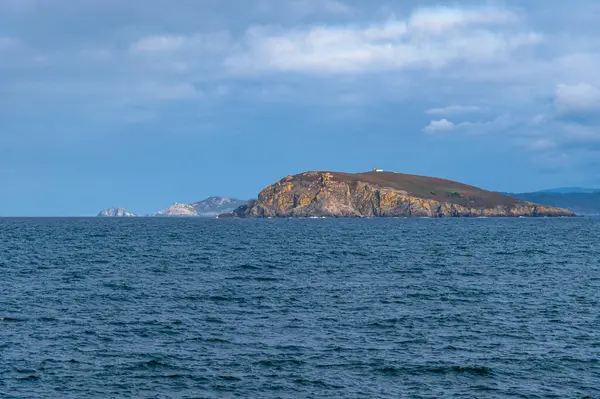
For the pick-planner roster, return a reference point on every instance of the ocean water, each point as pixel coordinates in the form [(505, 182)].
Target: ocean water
[(379, 308)]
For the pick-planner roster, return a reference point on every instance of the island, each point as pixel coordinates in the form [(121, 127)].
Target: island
[(383, 194), (116, 213), (208, 208)]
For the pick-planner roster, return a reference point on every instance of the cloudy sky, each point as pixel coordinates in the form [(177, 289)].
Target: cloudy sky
[(143, 103)]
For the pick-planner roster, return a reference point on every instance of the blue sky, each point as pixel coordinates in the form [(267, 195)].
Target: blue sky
[(143, 103)]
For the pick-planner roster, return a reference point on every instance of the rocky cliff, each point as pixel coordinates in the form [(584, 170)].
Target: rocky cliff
[(582, 203), (383, 194)]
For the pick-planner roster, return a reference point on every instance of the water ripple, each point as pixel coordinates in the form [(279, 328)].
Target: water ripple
[(300, 308)]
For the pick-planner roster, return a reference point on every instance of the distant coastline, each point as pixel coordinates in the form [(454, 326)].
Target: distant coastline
[(403, 196), (384, 194)]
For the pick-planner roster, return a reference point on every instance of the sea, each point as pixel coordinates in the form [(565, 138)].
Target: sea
[(300, 308)]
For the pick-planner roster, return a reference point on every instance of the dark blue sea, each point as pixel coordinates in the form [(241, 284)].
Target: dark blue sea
[(369, 308)]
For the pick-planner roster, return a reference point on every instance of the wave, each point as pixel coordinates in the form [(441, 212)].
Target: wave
[(474, 370)]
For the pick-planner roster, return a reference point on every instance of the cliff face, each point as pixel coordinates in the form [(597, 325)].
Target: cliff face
[(383, 194)]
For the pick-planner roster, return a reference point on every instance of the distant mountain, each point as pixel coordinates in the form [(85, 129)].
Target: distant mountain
[(570, 190), (116, 213), (210, 207), (582, 203)]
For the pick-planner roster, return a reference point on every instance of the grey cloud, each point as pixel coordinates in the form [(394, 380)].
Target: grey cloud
[(429, 38), (507, 59)]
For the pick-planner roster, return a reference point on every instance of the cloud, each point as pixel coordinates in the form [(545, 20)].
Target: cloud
[(542, 145), (499, 124), (196, 49), (161, 43), (579, 135), (538, 119), (578, 98), (452, 110), (430, 38), (8, 42), (443, 125), (308, 7), (443, 19)]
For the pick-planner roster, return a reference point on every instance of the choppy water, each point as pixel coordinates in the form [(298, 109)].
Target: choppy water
[(191, 308)]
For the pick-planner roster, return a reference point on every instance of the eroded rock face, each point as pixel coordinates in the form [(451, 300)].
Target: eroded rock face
[(333, 194)]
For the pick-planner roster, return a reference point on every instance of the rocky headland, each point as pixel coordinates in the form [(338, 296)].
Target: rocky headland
[(383, 194)]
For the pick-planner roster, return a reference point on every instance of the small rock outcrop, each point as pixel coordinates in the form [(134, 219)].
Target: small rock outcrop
[(116, 213), (383, 194)]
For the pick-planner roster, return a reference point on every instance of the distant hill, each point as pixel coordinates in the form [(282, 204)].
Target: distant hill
[(116, 213), (214, 206), (210, 207), (383, 194), (582, 203), (570, 190)]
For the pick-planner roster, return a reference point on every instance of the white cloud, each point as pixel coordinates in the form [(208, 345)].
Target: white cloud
[(443, 125), (442, 19), (500, 124), (581, 97), (453, 109), (430, 38)]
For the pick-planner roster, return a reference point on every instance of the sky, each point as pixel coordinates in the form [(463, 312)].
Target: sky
[(141, 104)]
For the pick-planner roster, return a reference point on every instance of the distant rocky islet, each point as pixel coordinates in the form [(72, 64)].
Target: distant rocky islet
[(116, 213), (210, 207)]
